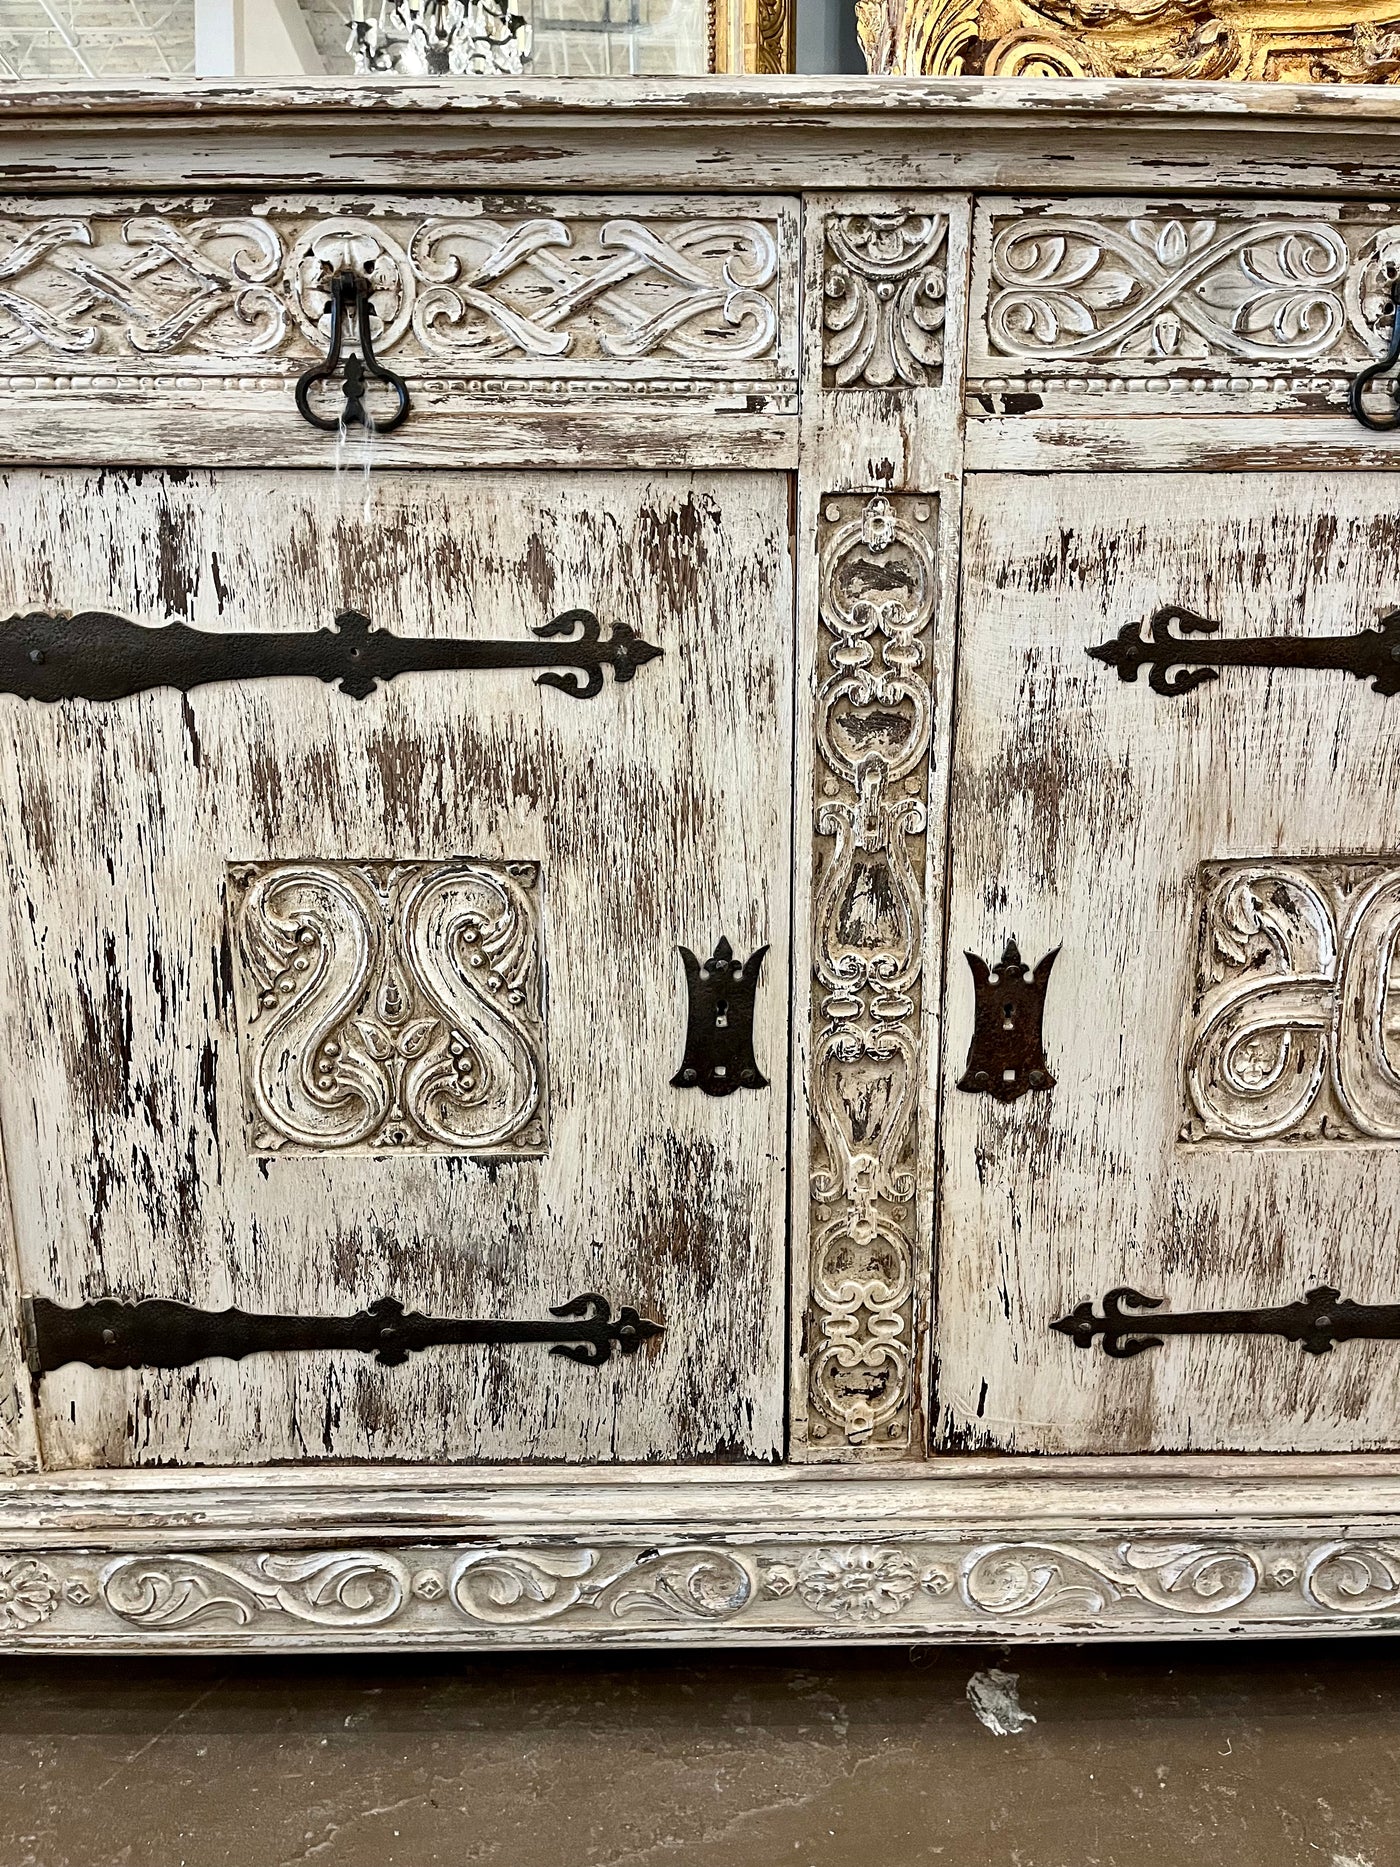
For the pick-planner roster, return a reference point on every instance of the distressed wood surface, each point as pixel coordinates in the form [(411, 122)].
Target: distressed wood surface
[(1078, 803), (1176, 443), (261, 428), (713, 134), (657, 813), (1083, 809)]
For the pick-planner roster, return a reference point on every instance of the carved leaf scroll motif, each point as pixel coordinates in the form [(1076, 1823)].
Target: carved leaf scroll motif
[(1294, 1032), (390, 1006), (884, 294), (1262, 290), (1094, 1584), (874, 716)]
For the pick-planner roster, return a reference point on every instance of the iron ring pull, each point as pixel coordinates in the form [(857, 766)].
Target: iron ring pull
[(351, 291), (1380, 424)]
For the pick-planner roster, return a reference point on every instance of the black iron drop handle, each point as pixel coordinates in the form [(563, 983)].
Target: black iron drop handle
[(1361, 382), (350, 296)]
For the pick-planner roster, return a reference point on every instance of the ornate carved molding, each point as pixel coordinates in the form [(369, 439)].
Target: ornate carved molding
[(1296, 41), (1292, 1029), (873, 725), (672, 293), (1257, 303), (390, 1006), (884, 288), (1074, 1586)]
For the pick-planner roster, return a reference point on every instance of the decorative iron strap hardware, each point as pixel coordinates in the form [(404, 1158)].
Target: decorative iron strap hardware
[(1007, 1056), (350, 297), (719, 1034), (1356, 393), (155, 1333), (97, 656), (1177, 665), (1321, 1319)]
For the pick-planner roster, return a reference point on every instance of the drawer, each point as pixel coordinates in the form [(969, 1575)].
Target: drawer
[(159, 326), (1198, 862), (1103, 306), (388, 984)]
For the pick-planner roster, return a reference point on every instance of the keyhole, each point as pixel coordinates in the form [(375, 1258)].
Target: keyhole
[(722, 1014)]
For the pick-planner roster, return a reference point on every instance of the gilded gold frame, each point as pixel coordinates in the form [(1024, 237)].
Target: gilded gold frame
[(1294, 41), (753, 36)]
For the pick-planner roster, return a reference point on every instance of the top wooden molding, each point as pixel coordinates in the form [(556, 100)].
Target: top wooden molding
[(720, 135), (1279, 41)]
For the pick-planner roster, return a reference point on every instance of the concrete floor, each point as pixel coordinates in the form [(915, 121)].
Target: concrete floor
[(1239, 1755)]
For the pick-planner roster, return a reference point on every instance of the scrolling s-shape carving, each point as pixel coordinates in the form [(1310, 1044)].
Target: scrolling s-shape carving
[(1291, 1035), (390, 1006)]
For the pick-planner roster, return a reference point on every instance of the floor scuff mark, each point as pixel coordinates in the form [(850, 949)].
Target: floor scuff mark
[(992, 1696)]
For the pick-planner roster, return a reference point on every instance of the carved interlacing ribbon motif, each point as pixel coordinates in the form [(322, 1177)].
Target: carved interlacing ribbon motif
[(461, 289), (1295, 1030), (874, 714), (1093, 1584), (390, 1005), (1267, 289), (68, 288)]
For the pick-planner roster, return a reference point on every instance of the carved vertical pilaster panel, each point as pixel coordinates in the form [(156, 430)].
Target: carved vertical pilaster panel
[(874, 726), (885, 308)]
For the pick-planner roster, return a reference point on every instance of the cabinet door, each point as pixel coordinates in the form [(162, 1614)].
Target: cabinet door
[(318, 997), (1213, 847)]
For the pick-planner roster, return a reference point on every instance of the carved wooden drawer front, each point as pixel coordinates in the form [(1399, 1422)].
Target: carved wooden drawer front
[(331, 991), (1095, 305), (179, 314), (1203, 816)]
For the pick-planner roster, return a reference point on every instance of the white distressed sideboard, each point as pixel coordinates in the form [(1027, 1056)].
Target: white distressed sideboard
[(734, 974)]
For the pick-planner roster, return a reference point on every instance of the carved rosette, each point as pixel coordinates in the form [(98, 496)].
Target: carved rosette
[(873, 723), (1282, 40), (884, 291), (1076, 1586)]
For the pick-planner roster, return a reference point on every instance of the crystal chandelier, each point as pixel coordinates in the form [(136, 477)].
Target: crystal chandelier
[(438, 38)]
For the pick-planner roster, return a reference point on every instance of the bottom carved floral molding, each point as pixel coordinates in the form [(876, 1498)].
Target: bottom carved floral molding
[(898, 1587)]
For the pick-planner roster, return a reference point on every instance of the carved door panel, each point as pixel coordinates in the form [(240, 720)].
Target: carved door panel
[(1178, 763), (324, 991)]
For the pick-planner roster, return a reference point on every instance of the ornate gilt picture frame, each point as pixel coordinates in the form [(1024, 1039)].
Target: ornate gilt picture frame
[(1287, 41), (758, 36)]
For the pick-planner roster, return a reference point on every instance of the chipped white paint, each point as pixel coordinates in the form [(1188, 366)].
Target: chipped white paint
[(612, 374), (1084, 807), (654, 814)]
